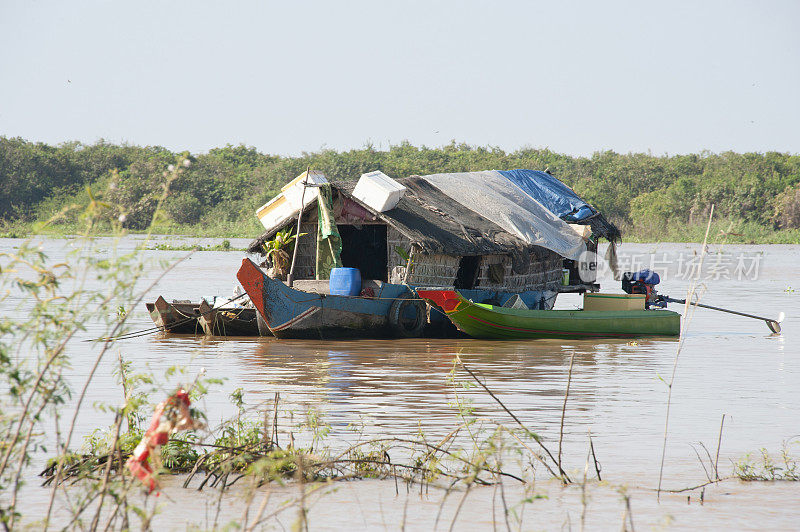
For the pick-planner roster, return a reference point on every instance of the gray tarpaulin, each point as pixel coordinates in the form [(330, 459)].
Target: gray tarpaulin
[(496, 198)]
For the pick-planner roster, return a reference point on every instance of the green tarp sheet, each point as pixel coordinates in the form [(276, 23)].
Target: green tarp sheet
[(329, 243)]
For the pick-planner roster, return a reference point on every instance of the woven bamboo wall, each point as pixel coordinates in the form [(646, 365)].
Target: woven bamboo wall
[(433, 270), (544, 272), (305, 267), (396, 263)]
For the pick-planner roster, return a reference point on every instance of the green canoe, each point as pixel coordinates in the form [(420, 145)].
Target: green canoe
[(487, 321)]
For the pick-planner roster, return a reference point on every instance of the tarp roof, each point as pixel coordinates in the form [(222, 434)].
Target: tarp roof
[(433, 222), (561, 200), (437, 223), (499, 199)]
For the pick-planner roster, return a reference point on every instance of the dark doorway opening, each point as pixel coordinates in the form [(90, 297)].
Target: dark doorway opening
[(467, 274), (365, 249)]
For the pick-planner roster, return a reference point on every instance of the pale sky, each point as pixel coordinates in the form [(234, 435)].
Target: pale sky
[(286, 77)]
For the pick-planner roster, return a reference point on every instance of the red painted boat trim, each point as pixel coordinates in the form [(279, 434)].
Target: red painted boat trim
[(448, 300), (252, 280)]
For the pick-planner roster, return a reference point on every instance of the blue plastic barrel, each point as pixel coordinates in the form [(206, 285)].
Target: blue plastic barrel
[(345, 282)]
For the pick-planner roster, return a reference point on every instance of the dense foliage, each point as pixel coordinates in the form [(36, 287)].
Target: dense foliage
[(226, 185)]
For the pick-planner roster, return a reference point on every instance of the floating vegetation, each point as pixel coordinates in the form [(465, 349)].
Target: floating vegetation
[(765, 467), (225, 245), (255, 446), (242, 448)]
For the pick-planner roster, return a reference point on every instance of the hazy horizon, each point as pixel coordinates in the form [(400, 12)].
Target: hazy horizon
[(575, 78), (386, 148)]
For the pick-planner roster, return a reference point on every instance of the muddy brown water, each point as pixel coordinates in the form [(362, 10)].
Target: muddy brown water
[(729, 365)]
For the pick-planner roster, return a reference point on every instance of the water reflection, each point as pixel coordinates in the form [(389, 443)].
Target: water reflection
[(404, 384)]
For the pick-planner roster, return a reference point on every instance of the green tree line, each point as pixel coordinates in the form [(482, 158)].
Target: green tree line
[(640, 192)]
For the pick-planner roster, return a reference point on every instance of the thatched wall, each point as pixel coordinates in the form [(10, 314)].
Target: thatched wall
[(396, 263), (433, 270), (305, 267), (543, 272), (426, 270)]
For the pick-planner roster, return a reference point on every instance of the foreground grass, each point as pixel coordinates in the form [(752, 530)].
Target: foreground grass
[(244, 451), (246, 448)]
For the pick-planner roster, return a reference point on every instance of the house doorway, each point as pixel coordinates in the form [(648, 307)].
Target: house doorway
[(365, 249), (467, 274)]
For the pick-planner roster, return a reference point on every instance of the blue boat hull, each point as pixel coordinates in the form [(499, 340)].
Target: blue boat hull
[(291, 313)]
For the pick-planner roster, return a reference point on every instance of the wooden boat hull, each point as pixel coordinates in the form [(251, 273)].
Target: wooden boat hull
[(487, 321), (177, 318), (228, 321), (292, 313), (200, 318)]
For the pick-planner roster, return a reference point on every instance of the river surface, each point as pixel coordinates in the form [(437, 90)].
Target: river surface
[(728, 365)]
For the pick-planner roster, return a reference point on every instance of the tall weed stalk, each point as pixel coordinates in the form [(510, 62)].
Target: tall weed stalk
[(49, 305)]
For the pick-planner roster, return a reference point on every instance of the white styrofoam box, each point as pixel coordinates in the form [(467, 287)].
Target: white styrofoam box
[(275, 210), (287, 203), (293, 191), (378, 191)]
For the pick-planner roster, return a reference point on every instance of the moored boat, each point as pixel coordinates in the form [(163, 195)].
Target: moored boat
[(186, 317), (489, 321), (312, 312)]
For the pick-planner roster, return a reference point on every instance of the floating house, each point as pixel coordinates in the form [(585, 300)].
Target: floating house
[(504, 237)]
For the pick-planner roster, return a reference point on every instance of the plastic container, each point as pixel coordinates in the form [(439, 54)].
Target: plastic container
[(515, 302), (345, 282), (378, 191)]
